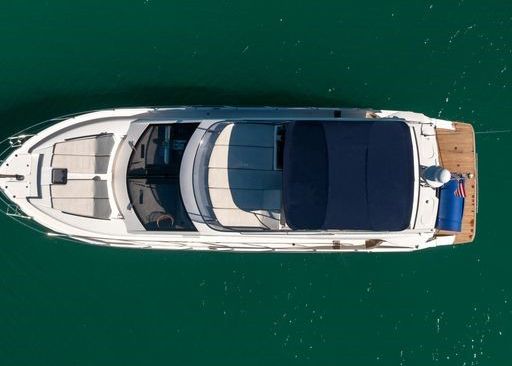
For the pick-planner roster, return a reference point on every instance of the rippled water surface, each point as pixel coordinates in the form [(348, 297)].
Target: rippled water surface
[(71, 304)]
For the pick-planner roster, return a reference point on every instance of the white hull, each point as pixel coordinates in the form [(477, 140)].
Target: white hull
[(122, 229)]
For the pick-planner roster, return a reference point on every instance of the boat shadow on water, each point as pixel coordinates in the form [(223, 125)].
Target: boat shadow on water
[(33, 110)]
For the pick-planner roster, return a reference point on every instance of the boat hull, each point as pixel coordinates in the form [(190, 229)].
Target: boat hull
[(27, 156)]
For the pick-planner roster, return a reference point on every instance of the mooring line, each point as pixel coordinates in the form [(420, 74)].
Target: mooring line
[(492, 132)]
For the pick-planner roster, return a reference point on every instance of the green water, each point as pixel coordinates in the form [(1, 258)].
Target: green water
[(71, 304)]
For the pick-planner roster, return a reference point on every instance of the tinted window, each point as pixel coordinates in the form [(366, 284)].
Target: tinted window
[(153, 177)]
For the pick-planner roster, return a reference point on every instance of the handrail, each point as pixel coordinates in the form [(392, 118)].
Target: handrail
[(16, 139)]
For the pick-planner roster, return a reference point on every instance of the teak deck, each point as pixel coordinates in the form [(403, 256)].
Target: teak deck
[(458, 154)]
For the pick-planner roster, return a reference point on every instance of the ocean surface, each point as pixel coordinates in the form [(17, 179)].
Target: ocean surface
[(64, 303)]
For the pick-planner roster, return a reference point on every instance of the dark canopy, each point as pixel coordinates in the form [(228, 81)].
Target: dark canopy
[(348, 175)]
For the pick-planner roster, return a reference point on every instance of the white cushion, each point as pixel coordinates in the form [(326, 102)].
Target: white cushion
[(81, 163), (242, 157), (247, 134), (84, 155), (94, 145), (82, 197)]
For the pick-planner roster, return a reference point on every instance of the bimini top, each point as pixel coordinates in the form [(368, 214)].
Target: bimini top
[(348, 176)]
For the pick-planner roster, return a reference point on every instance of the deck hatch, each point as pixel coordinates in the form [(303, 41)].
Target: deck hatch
[(59, 176)]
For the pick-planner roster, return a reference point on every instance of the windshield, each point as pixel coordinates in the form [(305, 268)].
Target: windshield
[(153, 177)]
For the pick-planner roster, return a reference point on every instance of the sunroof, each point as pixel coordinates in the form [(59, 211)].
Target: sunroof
[(348, 175)]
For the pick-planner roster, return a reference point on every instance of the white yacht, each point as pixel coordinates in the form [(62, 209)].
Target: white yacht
[(246, 179)]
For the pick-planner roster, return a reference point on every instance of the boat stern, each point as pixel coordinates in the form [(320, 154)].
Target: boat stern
[(457, 150)]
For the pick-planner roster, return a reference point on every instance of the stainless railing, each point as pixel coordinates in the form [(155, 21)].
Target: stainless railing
[(16, 140)]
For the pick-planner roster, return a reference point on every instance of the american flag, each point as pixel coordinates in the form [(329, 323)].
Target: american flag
[(460, 191)]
